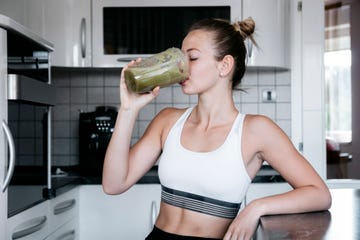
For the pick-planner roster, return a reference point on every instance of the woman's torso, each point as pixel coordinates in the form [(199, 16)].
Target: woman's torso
[(213, 183)]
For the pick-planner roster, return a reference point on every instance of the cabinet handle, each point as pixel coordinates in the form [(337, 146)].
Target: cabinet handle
[(249, 47), (29, 227), (83, 37), (11, 167), (70, 235), (153, 213), (64, 206)]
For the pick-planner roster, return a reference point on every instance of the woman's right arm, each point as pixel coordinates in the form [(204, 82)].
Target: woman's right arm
[(123, 166)]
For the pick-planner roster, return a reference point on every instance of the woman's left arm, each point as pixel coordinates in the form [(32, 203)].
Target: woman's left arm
[(309, 193)]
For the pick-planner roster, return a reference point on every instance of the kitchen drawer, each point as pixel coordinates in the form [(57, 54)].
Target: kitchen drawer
[(69, 231), (63, 209), (31, 224), (130, 215)]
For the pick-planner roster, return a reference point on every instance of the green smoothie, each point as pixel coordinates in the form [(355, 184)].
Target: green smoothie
[(162, 69)]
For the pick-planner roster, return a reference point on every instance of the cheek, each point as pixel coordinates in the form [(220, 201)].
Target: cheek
[(202, 70)]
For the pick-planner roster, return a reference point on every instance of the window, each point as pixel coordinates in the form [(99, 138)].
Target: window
[(337, 62)]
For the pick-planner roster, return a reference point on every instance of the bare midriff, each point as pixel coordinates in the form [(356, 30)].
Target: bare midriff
[(190, 223)]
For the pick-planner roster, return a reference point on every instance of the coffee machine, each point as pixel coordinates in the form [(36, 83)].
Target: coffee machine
[(95, 131)]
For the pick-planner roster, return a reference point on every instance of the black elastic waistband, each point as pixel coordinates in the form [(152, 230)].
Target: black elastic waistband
[(158, 234), (199, 203)]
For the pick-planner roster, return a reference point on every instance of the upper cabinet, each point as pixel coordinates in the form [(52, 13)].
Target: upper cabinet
[(67, 24), (92, 33), (271, 33)]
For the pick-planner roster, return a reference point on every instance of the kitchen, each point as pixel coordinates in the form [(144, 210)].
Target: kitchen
[(83, 83)]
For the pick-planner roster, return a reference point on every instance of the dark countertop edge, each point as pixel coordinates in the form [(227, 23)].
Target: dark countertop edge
[(62, 184)]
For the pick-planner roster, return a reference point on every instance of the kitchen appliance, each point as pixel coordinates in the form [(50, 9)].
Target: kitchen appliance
[(125, 30), (28, 96), (29, 102), (95, 131)]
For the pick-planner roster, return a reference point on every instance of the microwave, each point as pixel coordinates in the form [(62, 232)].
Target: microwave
[(126, 30)]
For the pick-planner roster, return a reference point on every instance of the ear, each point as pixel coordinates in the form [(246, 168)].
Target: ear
[(226, 65)]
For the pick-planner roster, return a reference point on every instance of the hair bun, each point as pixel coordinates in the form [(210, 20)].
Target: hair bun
[(246, 27)]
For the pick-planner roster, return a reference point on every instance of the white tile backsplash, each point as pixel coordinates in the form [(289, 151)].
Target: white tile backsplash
[(268, 109), (251, 95), (283, 93), (250, 79), (85, 89), (267, 78), (165, 96)]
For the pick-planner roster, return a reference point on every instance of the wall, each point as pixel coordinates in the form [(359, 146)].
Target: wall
[(84, 89)]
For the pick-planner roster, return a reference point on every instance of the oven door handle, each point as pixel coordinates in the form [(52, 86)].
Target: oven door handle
[(11, 167)]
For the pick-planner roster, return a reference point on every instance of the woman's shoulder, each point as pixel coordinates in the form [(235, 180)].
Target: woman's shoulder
[(169, 115), (255, 119), (259, 124)]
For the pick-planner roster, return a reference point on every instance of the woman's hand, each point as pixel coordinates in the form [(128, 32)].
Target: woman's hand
[(130, 99), (244, 225)]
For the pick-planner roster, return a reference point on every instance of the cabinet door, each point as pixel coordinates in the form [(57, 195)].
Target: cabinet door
[(130, 215), (14, 10), (270, 18), (31, 224), (63, 209), (68, 231), (67, 25)]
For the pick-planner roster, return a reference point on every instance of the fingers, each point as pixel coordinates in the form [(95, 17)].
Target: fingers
[(236, 237)]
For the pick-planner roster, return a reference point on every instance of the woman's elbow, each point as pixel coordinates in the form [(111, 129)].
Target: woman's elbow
[(326, 199), (112, 189), (329, 201)]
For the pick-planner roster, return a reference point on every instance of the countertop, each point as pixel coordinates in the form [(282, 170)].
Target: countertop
[(342, 221), (63, 182)]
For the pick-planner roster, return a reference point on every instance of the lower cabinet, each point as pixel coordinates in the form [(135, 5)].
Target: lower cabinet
[(130, 215), (63, 209), (52, 219), (68, 231), (64, 216), (258, 190), (31, 224)]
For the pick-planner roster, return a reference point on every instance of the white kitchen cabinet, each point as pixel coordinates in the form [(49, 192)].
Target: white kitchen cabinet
[(27, 13), (31, 224), (67, 24), (14, 10), (57, 218), (64, 209), (130, 215), (271, 33), (307, 79), (68, 231), (259, 190)]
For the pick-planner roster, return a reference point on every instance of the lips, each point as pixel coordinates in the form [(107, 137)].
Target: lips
[(182, 83)]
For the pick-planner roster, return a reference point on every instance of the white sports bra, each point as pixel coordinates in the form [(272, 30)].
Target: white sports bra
[(212, 182)]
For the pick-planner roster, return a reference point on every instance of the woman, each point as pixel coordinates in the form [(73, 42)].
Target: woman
[(209, 153)]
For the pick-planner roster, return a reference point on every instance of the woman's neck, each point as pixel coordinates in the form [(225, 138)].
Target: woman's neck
[(215, 110)]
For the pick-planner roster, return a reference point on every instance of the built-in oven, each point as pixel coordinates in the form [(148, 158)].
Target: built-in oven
[(27, 124), (125, 30), (29, 104)]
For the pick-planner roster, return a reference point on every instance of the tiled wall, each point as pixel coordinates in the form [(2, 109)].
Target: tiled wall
[(84, 89), (27, 123)]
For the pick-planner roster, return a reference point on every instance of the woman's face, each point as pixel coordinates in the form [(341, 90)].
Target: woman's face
[(198, 46)]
